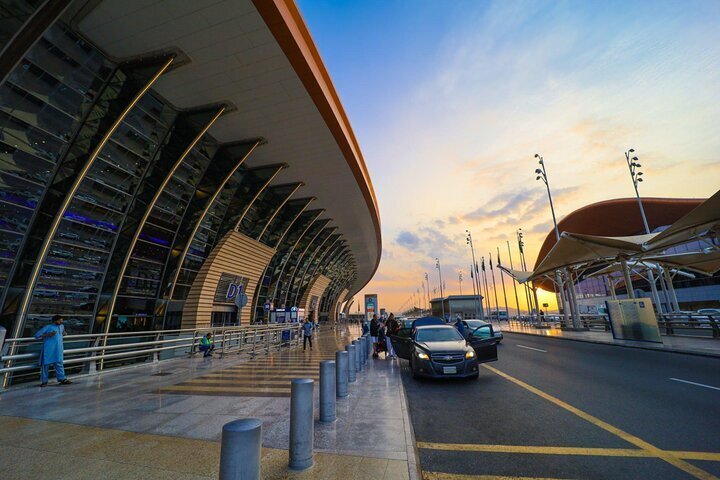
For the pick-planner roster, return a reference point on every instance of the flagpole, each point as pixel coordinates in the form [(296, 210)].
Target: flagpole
[(487, 289), (475, 294), (502, 282), (517, 299), (477, 280), (428, 292), (492, 274)]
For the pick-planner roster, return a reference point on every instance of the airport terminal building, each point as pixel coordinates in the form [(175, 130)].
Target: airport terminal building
[(174, 164)]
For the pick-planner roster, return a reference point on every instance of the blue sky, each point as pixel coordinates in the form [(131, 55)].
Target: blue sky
[(450, 100)]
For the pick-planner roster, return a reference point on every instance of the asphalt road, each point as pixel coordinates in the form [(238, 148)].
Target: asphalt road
[(552, 408)]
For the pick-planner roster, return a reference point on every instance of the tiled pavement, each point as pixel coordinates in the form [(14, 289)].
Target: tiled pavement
[(263, 376), (127, 425)]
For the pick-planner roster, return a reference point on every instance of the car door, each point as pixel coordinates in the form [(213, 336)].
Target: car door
[(482, 339), (402, 343)]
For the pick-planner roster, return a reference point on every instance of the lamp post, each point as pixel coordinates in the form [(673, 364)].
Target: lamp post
[(541, 174), (523, 265), (428, 291), (636, 177), (442, 296), (475, 278), (460, 281), (497, 304), (514, 280)]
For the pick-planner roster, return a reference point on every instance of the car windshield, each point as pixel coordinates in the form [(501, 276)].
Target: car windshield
[(440, 334), (475, 323)]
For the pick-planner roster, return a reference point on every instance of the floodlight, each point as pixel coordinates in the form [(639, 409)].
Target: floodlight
[(538, 171), (537, 178), (537, 156), (632, 150)]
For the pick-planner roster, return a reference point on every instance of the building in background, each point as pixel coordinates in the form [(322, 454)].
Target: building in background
[(171, 165), (467, 306)]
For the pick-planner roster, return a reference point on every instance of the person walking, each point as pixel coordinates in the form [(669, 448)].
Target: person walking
[(307, 333), (365, 328), (382, 339), (374, 327), (392, 327), (207, 345), (52, 351), (460, 325)]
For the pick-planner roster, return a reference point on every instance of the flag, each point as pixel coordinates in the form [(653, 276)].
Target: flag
[(471, 272), (483, 264), (498, 260), (491, 263)]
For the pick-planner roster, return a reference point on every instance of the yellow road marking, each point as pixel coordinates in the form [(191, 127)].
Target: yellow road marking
[(289, 376), (545, 450), (632, 439), (455, 476)]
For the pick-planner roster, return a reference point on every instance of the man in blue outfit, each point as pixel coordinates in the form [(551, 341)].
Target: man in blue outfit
[(52, 351)]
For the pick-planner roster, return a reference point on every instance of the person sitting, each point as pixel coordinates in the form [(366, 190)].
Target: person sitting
[(207, 345)]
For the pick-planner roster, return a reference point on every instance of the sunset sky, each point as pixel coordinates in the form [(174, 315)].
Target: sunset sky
[(450, 100)]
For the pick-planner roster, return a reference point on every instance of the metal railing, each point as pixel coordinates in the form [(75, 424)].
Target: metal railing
[(90, 353), (675, 324)]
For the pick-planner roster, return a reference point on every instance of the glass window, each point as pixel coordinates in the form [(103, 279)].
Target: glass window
[(18, 191), (14, 218)]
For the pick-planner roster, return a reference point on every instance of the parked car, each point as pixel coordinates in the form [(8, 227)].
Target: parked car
[(472, 324), (438, 350)]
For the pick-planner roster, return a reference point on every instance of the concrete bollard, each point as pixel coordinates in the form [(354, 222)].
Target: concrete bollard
[(359, 350), (369, 345), (363, 357), (241, 450), (351, 363), (358, 366), (301, 424), (341, 374), (327, 391)]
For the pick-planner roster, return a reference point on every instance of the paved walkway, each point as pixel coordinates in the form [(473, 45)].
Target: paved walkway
[(690, 345), (165, 420)]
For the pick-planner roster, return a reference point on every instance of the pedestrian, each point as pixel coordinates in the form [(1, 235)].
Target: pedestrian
[(365, 328), (382, 340), (207, 345), (52, 351), (393, 327), (460, 325), (374, 326), (307, 333), (542, 316)]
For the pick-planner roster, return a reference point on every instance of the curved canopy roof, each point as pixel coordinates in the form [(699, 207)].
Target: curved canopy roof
[(260, 58)]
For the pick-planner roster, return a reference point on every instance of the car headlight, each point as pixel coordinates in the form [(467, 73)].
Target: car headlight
[(423, 356), (470, 354)]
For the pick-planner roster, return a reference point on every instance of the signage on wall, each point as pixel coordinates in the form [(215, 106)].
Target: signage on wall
[(313, 302), (268, 306), (371, 305), (231, 289)]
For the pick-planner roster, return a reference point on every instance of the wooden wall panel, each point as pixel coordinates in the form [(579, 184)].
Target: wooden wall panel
[(236, 254), (316, 287), (340, 299)]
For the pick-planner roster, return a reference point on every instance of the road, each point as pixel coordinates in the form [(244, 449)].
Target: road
[(557, 409)]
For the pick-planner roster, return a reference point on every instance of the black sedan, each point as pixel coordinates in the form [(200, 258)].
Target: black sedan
[(440, 351)]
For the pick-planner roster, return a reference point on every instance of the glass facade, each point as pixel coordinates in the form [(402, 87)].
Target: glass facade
[(111, 199)]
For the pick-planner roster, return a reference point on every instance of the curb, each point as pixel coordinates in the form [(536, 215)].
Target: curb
[(638, 347)]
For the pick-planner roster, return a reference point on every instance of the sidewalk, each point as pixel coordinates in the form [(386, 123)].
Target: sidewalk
[(677, 344), (165, 420)]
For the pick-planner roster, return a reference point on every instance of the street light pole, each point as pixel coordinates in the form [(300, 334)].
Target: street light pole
[(442, 296), (497, 304), (517, 299), (541, 174), (523, 265), (636, 177), (428, 292), (460, 281)]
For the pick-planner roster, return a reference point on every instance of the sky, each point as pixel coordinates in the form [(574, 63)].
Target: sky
[(451, 100)]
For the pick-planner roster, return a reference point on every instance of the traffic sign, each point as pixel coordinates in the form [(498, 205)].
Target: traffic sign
[(267, 307), (241, 300)]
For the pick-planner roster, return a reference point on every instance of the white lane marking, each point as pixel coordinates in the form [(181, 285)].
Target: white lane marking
[(531, 348), (693, 383)]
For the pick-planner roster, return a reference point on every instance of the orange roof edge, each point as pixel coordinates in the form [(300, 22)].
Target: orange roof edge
[(288, 27)]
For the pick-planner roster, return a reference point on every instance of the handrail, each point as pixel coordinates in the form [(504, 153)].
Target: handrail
[(234, 339)]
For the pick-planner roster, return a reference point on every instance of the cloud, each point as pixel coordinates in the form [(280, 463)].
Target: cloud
[(407, 239)]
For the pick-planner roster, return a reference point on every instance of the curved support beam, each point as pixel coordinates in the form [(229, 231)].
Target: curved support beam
[(291, 277), (201, 217), (148, 211), (322, 250), (292, 222), (278, 208), (62, 210)]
